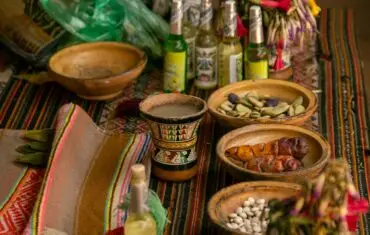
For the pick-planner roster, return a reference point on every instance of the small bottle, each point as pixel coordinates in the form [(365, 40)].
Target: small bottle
[(230, 59), (140, 221), (257, 62), (175, 58), (189, 32), (219, 21), (206, 50)]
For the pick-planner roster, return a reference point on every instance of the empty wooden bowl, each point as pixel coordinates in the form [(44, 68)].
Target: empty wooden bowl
[(285, 90), (227, 200), (97, 70), (314, 162)]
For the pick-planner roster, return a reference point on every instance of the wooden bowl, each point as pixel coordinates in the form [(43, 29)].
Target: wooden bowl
[(227, 200), (314, 161), (285, 90), (97, 70)]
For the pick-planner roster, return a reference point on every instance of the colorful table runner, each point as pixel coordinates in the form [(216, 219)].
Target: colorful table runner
[(340, 118)]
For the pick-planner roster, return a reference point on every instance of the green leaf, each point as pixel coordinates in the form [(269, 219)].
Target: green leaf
[(45, 135), (34, 159)]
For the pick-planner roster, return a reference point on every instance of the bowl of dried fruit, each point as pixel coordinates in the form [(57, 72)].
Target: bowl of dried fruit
[(262, 101), (273, 152), (244, 208)]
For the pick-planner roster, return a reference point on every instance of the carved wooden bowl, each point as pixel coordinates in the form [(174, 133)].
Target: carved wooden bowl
[(227, 200), (285, 90), (314, 162), (98, 70)]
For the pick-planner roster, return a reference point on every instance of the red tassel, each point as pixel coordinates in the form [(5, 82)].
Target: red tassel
[(279, 64), (283, 5), (240, 29)]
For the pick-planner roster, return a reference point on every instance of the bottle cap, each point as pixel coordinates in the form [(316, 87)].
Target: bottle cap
[(138, 172), (255, 25), (176, 17), (206, 13), (230, 18)]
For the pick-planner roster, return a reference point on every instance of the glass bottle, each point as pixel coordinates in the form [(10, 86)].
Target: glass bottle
[(189, 32), (206, 50), (257, 62), (175, 58), (140, 221), (219, 21), (230, 59)]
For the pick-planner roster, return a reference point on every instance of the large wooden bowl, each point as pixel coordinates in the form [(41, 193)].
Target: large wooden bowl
[(227, 200), (98, 70), (285, 90), (314, 161)]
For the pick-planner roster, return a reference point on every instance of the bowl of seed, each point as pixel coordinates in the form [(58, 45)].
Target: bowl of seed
[(243, 208), (262, 101)]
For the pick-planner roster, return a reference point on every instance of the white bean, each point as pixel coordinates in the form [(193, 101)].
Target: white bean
[(238, 220), (254, 209), (251, 200), (233, 215), (246, 203), (243, 230), (246, 209), (232, 225), (264, 224), (250, 213), (257, 229), (243, 215), (258, 213), (239, 210), (261, 201)]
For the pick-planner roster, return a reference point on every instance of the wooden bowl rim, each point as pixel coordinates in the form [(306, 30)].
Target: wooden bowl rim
[(212, 204), (87, 45), (171, 97), (310, 109), (258, 127)]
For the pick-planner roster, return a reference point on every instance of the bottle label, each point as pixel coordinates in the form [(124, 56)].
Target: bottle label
[(236, 68), (206, 64), (258, 70), (191, 58), (174, 71)]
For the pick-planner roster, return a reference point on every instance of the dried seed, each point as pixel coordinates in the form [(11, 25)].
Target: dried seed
[(298, 101), (299, 109), (291, 111), (227, 106), (239, 210), (243, 215), (246, 209), (242, 109), (255, 101)]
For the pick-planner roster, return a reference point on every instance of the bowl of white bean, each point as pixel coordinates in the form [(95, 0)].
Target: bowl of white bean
[(243, 208)]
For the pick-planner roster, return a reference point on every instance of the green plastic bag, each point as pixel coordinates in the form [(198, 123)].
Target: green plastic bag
[(111, 20)]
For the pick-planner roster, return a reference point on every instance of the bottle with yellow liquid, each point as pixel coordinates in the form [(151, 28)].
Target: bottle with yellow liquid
[(257, 54), (176, 49), (140, 221), (230, 59)]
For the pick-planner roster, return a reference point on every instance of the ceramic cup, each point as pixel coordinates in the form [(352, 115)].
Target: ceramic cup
[(174, 136)]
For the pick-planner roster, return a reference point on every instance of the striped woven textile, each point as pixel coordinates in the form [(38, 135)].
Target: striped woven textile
[(341, 118), (26, 106)]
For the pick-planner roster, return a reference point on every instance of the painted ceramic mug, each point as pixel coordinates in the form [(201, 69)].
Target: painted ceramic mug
[(174, 135)]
